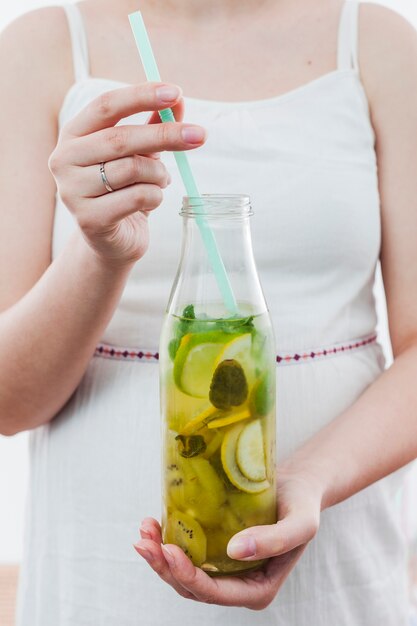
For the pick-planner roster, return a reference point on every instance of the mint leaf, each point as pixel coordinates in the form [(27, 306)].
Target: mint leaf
[(173, 346), (189, 323), (189, 313)]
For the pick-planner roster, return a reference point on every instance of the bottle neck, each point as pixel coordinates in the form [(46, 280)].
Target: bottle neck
[(197, 282)]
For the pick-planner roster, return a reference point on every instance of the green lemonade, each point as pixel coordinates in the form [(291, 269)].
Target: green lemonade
[(218, 409)]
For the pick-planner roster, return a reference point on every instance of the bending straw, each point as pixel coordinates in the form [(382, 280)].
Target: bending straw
[(152, 74)]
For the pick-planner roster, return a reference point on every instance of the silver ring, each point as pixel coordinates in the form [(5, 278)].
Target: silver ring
[(104, 178)]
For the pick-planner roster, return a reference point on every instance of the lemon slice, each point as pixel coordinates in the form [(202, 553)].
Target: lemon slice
[(229, 418), (196, 361), (250, 454), (239, 349), (230, 466), (199, 421), (213, 418), (213, 445)]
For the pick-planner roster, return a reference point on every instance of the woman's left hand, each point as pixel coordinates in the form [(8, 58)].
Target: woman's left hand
[(299, 498)]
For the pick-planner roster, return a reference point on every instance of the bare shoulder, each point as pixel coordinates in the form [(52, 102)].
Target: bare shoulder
[(372, 11), (35, 52), (387, 53), (35, 73), (379, 23), (46, 26)]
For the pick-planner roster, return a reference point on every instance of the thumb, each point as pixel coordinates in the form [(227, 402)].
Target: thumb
[(262, 542)]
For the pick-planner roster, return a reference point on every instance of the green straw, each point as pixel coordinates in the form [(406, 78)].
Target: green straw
[(152, 74)]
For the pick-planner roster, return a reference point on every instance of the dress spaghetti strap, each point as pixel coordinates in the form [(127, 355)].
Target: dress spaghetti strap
[(347, 57), (78, 42)]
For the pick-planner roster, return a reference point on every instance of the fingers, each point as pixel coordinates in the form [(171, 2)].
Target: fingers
[(150, 549), (132, 166), (110, 107), (255, 590), (178, 111), (113, 207), (252, 591), (101, 215), (278, 568), (260, 542), (191, 578), (153, 555), (176, 569), (123, 141), (150, 529), (122, 173)]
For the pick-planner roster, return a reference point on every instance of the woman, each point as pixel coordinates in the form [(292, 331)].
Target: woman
[(322, 136)]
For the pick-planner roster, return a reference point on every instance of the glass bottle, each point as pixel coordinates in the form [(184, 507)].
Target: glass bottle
[(217, 372)]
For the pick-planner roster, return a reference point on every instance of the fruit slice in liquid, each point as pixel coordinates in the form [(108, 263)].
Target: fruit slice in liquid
[(230, 466), (185, 532)]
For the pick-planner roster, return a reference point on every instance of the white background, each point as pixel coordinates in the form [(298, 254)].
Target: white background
[(13, 451)]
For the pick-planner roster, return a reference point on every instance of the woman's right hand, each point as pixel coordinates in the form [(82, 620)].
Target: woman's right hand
[(115, 223)]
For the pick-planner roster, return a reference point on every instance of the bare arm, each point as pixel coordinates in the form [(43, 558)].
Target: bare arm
[(53, 313), (378, 434)]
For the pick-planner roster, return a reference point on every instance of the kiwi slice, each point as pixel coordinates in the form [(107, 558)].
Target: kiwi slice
[(196, 489), (206, 494), (184, 531), (175, 478)]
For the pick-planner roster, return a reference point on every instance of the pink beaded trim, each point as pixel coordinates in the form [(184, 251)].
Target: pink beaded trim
[(125, 354), (130, 354), (324, 352)]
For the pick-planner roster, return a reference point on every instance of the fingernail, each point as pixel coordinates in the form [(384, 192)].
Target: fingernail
[(241, 547), (193, 134), (168, 93), (143, 531), (168, 556), (144, 553)]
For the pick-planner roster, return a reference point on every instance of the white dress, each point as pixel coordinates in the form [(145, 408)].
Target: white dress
[(307, 160)]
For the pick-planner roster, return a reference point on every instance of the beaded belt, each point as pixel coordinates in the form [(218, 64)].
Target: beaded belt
[(117, 353)]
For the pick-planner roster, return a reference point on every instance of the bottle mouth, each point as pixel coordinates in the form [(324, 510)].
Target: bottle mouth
[(217, 205)]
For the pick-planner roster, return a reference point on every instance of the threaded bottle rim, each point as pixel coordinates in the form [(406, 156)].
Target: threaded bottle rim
[(217, 205)]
